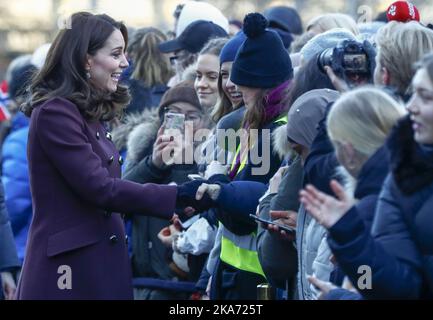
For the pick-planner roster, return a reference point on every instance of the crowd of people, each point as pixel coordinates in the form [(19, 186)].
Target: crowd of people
[(221, 157)]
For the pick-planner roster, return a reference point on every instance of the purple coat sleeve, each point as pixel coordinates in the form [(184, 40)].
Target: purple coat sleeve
[(60, 130)]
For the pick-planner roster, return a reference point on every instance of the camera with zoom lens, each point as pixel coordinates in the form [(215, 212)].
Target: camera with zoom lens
[(350, 60)]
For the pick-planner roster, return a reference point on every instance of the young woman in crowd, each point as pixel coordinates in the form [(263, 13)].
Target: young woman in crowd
[(207, 73), (151, 70), (264, 85), (142, 135), (277, 253), (397, 249)]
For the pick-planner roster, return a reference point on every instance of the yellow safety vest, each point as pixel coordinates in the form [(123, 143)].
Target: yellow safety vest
[(241, 251)]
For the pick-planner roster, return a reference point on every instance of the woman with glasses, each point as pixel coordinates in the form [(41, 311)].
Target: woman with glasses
[(143, 137)]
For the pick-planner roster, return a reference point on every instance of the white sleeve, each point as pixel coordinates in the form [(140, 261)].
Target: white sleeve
[(197, 239)]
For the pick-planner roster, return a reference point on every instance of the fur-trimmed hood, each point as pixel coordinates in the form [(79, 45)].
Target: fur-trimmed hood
[(280, 143), (411, 167), (137, 134)]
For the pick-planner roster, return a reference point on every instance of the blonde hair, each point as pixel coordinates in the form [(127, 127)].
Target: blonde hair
[(150, 65), (363, 117), (330, 21), (400, 46)]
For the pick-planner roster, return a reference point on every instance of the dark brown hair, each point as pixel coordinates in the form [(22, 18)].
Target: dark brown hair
[(254, 117), (64, 75)]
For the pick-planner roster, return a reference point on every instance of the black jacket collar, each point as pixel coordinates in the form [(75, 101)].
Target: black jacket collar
[(412, 169)]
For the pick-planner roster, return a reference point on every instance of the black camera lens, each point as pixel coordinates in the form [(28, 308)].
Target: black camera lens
[(325, 59)]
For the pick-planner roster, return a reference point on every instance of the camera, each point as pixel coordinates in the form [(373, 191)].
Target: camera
[(350, 60)]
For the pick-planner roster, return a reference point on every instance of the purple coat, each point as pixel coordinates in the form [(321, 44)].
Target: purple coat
[(76, 190)]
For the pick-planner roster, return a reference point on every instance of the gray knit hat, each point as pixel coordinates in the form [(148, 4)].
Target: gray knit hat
[(328, 39), (305, 114)]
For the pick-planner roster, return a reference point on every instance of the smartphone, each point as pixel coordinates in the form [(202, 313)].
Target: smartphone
[(174, 123), (279, 225), (195, 177)]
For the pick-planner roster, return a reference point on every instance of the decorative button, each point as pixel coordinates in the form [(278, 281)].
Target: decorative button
[(107, 214), (113, 239), (111, 159), (120, 160), (108, 136), (126, 239), (97, 135)]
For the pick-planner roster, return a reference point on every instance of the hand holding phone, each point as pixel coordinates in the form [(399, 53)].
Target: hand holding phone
[(280, 226)]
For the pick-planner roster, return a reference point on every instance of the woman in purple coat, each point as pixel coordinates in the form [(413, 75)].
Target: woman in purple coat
[(76, 244)]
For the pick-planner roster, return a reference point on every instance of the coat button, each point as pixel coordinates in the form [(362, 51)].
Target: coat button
[(126, 239), (107, 214), (113, 239), (111, 159), (97, 135), (108, 136), (120, 160)]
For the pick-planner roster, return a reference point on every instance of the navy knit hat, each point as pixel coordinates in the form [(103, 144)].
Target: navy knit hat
[(228, 52), (285, 18), (262, 61)]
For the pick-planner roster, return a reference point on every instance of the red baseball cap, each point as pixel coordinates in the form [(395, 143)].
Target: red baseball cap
[(402, 11)]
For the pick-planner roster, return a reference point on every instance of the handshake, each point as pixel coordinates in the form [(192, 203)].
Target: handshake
[(197, 194)]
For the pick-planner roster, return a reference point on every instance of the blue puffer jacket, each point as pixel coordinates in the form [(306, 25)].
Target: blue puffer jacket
[(368, 186), (16, 183), (399, 249)]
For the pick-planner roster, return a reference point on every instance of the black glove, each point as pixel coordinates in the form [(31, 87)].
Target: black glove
[(186, 196)]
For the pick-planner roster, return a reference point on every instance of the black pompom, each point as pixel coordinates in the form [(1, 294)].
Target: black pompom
[(254, 25)]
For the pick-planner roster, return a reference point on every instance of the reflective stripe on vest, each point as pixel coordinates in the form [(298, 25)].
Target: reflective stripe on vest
[(240, 252), (282, 120)]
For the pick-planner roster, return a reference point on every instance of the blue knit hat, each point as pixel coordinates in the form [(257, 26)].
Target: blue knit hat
[(228, 52), (262, 61)]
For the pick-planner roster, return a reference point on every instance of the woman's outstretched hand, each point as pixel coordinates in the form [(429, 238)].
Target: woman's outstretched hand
[(325, 209), (187, 196)]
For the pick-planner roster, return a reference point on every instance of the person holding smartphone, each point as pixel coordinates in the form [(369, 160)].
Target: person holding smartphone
[(148, 137)]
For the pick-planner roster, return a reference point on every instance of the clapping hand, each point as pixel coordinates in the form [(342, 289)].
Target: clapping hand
[(325, 209), (324, 287)]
